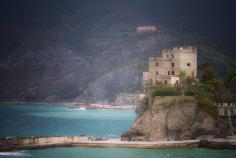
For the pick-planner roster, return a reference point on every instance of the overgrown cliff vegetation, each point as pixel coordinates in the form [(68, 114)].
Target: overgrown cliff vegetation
[(185, 111), (65, 50), (208, 88)]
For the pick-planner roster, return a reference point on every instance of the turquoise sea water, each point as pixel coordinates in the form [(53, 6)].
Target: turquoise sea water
[(48, 120), (39, 120), (120, 153)]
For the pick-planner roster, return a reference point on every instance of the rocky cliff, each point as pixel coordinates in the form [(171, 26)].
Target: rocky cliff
[(171, 118)]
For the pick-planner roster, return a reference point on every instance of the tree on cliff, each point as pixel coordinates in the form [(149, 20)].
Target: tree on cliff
[(182, 77), (207, 72), (232, 85), (220, 90)]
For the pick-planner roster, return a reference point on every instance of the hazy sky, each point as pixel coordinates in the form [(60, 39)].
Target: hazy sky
[(217, 13)]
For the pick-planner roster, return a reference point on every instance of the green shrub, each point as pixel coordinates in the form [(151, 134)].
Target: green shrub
[(191, 91), (164, 90), (207, 105), (204, 90)]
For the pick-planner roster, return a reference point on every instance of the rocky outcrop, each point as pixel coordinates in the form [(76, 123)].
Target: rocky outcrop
[(171, 118)]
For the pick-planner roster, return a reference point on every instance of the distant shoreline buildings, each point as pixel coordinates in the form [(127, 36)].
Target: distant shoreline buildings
[(129, 99)]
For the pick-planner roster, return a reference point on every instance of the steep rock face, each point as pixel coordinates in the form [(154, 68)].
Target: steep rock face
[(171, 118)]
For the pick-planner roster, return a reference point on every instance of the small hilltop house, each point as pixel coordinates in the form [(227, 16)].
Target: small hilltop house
[(141, 29)]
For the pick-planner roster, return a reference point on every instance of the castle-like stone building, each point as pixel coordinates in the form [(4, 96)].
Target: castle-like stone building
[(166, 68)]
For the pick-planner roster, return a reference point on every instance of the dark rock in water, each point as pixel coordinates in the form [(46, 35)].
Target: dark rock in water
[(133, 136), (171, 118)]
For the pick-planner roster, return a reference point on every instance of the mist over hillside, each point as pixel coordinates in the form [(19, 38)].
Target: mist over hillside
[(62, 50)]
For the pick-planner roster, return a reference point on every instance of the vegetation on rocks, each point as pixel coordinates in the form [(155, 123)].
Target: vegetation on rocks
[(207, 105), (164, 90), (208, 88)]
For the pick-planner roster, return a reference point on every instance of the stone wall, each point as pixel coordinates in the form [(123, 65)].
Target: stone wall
[(128, 99), (41, 140)]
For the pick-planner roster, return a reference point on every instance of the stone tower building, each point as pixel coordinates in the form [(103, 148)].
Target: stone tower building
[(166, 69)]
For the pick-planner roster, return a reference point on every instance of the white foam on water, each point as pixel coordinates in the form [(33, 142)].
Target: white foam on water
[(15, 153)]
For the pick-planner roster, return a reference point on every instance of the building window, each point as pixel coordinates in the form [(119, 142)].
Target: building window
[(157, 64), (173, 64), (168, 72), (188, 64), (157, 72), (172, 72), (172, 55)]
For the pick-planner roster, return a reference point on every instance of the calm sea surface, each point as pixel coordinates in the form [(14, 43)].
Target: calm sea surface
[(45, 120)]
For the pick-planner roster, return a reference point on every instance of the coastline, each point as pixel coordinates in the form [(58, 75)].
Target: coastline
[(29, 143), (39, 103), (76, 105)]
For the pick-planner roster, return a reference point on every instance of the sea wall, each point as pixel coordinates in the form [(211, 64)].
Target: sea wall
[(31, 142), (27, 143)]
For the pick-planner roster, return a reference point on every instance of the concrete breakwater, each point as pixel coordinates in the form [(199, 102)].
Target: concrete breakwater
[(13, 143), (8, 144)]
